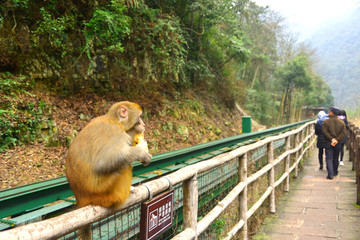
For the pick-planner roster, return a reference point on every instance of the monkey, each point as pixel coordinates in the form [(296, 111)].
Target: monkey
[(99, 160)]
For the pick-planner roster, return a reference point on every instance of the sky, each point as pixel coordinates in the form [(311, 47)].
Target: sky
[(305, 16)]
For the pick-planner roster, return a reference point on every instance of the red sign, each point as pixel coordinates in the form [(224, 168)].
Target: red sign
[(157, 215)]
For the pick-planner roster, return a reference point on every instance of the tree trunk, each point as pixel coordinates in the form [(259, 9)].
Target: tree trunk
[(254, 78)]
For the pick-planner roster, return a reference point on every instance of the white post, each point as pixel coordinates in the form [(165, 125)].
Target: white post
[(243, 194), (190, 210), (314, 136), (307, 133), (271, 175), (287, 164), (297, 153)]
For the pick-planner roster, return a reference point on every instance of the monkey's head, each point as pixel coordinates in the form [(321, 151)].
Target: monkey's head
[(129, 115)]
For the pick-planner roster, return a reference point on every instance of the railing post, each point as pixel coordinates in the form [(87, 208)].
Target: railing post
[(352, 145), (243, 194), (303, 135), (85, 233), (312, 130), (287, 164), (306, 155), (356, 152), (297, 153), (348, 138), (190, 203), (358, 167), (309, 141), (271, 176)]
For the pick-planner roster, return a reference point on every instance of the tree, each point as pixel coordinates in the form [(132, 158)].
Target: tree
[(293, 77)]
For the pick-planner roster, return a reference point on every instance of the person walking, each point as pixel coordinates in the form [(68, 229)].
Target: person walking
[(320, 144), (342, 116), (334, 132)]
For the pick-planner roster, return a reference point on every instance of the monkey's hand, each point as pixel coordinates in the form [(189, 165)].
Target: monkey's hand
[(145, 158)]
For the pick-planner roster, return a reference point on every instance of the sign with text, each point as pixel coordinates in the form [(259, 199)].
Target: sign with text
[(156, 215)]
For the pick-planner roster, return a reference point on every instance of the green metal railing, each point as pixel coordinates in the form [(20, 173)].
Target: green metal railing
[(28, 202)]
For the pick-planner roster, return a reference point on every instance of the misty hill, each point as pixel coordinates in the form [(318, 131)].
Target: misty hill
[(337, 45)]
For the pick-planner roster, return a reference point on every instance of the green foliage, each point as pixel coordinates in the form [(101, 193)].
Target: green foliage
[(215, 45), (218, 226), (322, 93), (261, 105), (11, 86), (108, 27), (223, 41), (54, 31), (167, 44), (196, 106), (19, 126), (158, 45), (294, 74), (299, 87), (19, 119), (20, 3), (15, 4)]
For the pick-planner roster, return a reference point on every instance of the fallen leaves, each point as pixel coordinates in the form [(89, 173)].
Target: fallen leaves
[(31, 163)]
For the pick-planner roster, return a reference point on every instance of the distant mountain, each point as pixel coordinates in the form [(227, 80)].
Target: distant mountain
[(337, 45)]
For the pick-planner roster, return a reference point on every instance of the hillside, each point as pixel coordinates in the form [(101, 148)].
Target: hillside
[(185, 120), (337, 44)]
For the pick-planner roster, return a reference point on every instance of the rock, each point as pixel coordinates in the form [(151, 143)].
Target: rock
[(48, 132), (182, 130), (69, 139), (82, 116), (218, 131), (44, 125), (170, 126)]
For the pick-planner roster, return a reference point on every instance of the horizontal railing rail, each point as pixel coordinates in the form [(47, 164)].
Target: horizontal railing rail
[(304, 140)]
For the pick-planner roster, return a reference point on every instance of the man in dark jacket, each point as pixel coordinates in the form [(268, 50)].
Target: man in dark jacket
[(334, 132)]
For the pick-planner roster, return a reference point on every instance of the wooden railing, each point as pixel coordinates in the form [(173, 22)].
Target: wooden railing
[(354, 152), (303, 140)]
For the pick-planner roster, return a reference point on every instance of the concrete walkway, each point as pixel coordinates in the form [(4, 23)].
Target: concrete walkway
[(315, 207)]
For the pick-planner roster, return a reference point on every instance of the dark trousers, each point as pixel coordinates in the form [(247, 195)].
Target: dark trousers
[(342, 151), (321, 154), (332, 159)]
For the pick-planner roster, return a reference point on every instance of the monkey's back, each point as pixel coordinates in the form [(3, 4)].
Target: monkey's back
[(90, 187)]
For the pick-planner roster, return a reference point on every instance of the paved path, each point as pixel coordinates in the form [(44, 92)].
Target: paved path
[(315, 207)]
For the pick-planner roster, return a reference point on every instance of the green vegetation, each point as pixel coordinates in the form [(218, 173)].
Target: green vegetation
[(108, 27), (151, 51), (218, 227), (21, 120)]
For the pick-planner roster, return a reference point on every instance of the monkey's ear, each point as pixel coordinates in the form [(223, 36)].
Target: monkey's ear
[(123, 112)]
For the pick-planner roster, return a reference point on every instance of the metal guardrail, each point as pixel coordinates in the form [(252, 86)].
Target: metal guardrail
[(27, 202)]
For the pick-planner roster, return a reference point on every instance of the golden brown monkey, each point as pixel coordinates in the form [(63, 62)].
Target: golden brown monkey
[(99, 161)]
